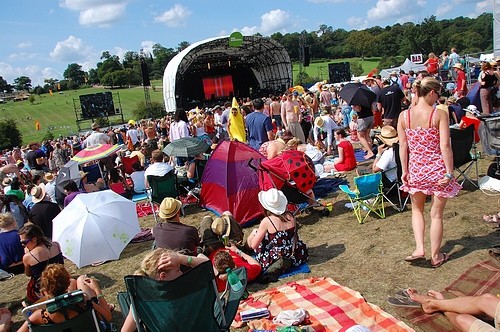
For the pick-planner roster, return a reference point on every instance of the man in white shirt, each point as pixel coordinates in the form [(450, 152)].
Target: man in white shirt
[(327, 125), (133, 135), (96, 137), (158, 167), (384, 160)]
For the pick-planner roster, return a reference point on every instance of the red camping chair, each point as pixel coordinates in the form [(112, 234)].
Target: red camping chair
[(127, 163)]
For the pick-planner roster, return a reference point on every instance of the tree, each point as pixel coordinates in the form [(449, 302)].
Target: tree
[(93, 77), (162, 56), (130, 59), (182, 45), (4, 86), (356, 68), (22, 83), (31, 99), (360, 43), (141, 112), (10, 136), (75, 74)]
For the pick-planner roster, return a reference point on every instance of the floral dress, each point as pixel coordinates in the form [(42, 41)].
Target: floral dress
[(425, 163), (280, 244)]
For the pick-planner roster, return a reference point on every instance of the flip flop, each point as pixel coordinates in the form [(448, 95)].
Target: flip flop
[(446, 257), (412, 258), (403, 302), (403, 293)]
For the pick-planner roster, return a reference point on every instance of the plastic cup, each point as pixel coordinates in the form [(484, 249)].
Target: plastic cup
[(329, 207)]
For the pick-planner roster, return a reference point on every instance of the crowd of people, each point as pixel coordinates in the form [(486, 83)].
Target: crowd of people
[(408, 110)]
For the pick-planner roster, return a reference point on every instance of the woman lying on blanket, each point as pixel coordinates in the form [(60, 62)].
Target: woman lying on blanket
[(276, 236), (162, 264)]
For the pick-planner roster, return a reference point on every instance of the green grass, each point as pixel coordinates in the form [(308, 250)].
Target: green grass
[(320, 69), (57, 112)]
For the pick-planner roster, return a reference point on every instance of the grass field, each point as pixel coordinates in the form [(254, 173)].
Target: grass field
[(57, 112)]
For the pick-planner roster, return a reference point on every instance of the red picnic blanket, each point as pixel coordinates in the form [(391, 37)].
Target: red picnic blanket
[(331, 307), (479, 279), (144, 209)]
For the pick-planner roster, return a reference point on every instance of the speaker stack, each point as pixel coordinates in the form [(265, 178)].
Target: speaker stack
[(145, 74), (339, 72), (307, 56)]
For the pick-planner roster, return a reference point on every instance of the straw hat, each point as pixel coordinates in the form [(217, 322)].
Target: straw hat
[(273, 201), (318, 122), (388, 135), (94, 126), (221, 226), (83, 174), (458, 65), (169, 208), (49, 177), (38, 193), (324, 87), (6, 181)]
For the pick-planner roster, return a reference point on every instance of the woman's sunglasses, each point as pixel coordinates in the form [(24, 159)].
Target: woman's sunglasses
[(25, 242)]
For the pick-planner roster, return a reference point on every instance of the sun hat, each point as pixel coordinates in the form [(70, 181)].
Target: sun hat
[(388, 135), (131, 122), (94, 126), (324, 87), (458, 65), (222, 225), (318, 122), (83, 174), (38, 193), (49, 177), (6, 181), (472, 109), (273, 201), (169, 207), (452, 99)]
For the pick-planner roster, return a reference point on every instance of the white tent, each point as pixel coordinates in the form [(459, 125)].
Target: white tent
[(406, 66)]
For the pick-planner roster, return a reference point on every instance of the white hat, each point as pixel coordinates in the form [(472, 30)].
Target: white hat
[(38, 193), (473, 110), (273, 201)]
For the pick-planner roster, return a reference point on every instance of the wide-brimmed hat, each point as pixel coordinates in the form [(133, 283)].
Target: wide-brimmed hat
[(83, 174), (324, 87), (222, 225), (6, 181), (318, 122), (452, 99), (458, 65), (273, 201), (49, 176), (472, 109), (169, 207), (94, 126), (388, 135), (38, 193)]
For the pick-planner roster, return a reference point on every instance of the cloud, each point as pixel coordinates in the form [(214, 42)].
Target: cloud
[(443, 9), (387, 9), (175, 16), (72, 49), (357, 23), (96, 12), (24, 56), (35, 73), (270, 22), (325, 1), (147, 46), (484, 6), (24, 45)]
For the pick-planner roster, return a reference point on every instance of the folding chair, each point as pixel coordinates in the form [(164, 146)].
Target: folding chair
[(367, 195), (127, 163), (161, 187), (86, 321), (189, 303), (393, 188), (94, 172), (465, 156)]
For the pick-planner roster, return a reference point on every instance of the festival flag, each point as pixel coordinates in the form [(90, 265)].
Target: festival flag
[(37, 125)]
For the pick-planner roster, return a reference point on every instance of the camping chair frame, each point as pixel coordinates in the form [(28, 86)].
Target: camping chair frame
[(465, 155), (195, 291), (400, 204), (86, 321), (161, 187), (128, 162), (368, 195)]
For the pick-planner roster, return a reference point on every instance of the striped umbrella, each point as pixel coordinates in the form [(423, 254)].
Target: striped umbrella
[(95, 152)]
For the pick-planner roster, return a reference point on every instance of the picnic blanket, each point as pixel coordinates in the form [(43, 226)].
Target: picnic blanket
[(324, 186), (479, 279), (144, 209), (331, 307)]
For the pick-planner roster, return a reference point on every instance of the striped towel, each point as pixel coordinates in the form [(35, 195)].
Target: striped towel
[(331, 307)]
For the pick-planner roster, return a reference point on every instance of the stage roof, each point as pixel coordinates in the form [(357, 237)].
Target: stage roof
[(267, 59)]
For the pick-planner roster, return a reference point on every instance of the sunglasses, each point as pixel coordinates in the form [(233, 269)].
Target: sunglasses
[(25, 242)]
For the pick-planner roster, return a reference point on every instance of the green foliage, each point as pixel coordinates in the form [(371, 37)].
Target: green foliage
[(22, 83), (141, 112), (102, 122), (391, 61), (356, 68), (31, 99), (48, 136), (10, 136), (75, 74), (304, 79)]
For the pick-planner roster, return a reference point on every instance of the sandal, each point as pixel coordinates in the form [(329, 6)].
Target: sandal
[(446, 257), (403, 302)]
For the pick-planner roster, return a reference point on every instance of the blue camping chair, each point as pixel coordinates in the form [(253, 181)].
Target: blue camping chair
[(367, 196)]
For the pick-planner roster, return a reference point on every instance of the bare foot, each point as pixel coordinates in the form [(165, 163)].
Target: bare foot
[(369, 156), (435, 294), (427, 301), (5, 320)]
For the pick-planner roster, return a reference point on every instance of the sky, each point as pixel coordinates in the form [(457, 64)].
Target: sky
[(39, 39)]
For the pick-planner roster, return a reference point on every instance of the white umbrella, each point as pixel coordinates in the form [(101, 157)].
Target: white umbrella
[(95, 227)]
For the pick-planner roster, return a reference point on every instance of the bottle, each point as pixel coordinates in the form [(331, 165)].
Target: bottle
[(233, 280)]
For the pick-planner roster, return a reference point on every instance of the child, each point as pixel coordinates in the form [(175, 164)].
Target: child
[(353, 127)]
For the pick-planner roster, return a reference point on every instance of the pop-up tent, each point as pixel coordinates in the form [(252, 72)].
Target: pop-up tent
[(406, 66), (230, 184)]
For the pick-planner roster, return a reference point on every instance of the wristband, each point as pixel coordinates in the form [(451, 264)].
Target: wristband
[(189, 260), (378, 156), (449, 176)]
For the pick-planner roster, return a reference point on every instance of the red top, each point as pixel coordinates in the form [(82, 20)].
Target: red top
[(432, 65), (472, 121), (349, 162)]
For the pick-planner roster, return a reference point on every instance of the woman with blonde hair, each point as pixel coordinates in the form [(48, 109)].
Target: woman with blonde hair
[(427, 162), (432, 64), (162, 264)]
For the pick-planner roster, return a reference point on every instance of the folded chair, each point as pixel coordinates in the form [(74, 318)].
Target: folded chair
[(161, 187), (189, 303), (392, 191), (367, 196), (86, 321), (94, 172), (465, 156)]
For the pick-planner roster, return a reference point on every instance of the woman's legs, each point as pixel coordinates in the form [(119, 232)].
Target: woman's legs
[(364, 139), (418, 222), (486, 102), (436, 230)]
